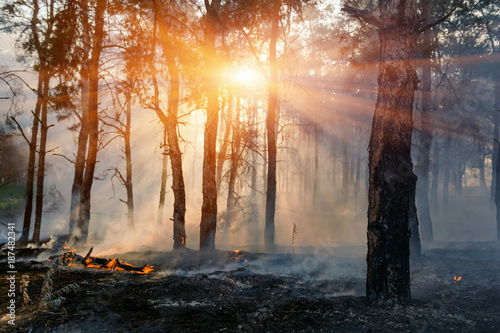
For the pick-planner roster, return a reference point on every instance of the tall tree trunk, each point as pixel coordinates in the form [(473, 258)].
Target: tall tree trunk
[(415, 244), (316, 164), (271, 129), (221, 155), (83, 136), (497, 146), (345, 165), (390, 166), (163, 184), (128, 157), (233, 170), (88, 177), (30, 176), (170, 122), (426, 135), (435, 172), (446, 172), (41, 155), (208, 223)]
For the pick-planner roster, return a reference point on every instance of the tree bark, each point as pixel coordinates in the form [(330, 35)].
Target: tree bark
[(41, 154), (497, 146), (390, 165), (208, 223), (83, 136), (426, 135), (128, 156), (163, 184), (170, 122), (30, 177), (271, 129), (88, 177)]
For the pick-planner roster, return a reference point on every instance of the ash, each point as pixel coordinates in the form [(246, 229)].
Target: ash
[(455, 288)]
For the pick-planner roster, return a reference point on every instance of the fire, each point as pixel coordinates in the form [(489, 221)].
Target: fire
[(182, 240), (239, 255), (457, 278), (70, 258)]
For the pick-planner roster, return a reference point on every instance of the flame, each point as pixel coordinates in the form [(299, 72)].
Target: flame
[(147, 269), (66, 247), (182, 240), (238, 254), (457, 278), (112, 264)]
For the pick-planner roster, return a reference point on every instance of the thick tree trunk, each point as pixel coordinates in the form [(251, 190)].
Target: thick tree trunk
[(83, 136), (30, 176), (426, 136), (271, 129), (415, 244), (208, 223), (41, 155), (390, 166), (88, 177)]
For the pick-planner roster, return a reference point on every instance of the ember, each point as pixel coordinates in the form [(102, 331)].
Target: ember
[(457, 278), (71, 258)]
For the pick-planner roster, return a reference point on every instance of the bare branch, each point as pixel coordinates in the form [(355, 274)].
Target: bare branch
[(362, 15), (433, 24)]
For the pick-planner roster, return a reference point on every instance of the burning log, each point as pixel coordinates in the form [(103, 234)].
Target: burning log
[(72, 258)]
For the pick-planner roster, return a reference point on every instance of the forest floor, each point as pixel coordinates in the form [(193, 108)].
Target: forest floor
[(250, 292)]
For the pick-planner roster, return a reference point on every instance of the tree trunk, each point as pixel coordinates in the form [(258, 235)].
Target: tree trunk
[(497, 146), (83, 136), (390, 166), (170, 123), (41, 154), (163, 184), (30, 177), (435, 172), (426, 135), (208, 223), (415, 245), (345, 166), (316, 165), (128, 157), (446, 172), (88, 177), (271, 129)]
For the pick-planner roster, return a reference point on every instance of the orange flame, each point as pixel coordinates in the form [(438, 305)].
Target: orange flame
[(182, 240), (457, 278)]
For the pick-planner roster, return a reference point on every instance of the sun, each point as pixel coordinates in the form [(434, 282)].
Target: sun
[(246, 77)]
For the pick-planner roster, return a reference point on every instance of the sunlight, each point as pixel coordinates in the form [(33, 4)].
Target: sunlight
[(244, 76)]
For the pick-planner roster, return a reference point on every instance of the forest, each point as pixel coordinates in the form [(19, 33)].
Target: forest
[(347, 151)]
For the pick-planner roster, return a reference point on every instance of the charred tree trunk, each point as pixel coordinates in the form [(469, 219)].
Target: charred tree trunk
[(415, 244), (30, 176), (208, 223), (40, 177), (170, 122), (271, 129), (88, 177), (233, 170), (83, 136), (390, 166), (426, 136)]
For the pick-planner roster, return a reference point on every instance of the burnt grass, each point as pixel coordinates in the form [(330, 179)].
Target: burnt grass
[(191, 292)]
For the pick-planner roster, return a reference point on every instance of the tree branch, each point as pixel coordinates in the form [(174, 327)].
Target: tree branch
[(362, 15), (433, 24)]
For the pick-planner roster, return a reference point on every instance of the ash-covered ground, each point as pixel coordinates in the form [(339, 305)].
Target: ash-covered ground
[(455, 288)]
